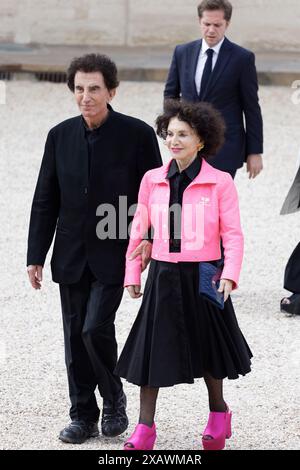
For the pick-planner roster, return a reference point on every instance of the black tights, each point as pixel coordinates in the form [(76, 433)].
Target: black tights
[(215, 393), (148, 398)]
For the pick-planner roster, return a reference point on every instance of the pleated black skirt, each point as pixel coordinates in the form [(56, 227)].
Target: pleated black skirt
[(178, 335)]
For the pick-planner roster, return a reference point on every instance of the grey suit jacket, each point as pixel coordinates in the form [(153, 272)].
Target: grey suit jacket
[(292, 201)]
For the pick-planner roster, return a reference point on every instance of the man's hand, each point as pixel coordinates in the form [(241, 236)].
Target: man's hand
[(144, 250), (35, 273), (226, 287), (254, 165), (134, 291)]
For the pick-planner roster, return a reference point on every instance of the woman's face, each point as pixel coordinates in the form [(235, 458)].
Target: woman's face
[(182, 141)]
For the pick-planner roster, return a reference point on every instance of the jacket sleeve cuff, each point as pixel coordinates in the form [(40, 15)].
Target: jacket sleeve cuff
[(133, 272), (132, 279)]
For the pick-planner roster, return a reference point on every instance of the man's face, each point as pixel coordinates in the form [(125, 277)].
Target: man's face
[(213, 26), (92, 95)]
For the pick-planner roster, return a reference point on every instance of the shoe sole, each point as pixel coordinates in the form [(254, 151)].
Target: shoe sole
[(67, 440)]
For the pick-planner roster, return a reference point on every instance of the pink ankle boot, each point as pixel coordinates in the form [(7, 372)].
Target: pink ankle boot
[(218, 428), (143, 438)]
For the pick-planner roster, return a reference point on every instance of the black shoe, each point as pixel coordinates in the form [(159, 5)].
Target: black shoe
[(78, 432), (114, 419)]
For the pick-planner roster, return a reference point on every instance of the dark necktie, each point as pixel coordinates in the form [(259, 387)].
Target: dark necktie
[(206, 73)]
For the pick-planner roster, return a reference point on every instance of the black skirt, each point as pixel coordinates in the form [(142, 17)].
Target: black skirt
[(178, 335)]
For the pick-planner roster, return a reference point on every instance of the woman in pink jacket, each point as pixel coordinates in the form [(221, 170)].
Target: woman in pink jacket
[(180, 334)]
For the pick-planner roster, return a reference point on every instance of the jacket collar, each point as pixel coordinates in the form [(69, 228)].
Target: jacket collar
[(191, 171), (207, 174), (83, 127)]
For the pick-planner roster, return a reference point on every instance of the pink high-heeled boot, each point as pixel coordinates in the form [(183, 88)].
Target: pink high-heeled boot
[(219, 428), (143, 438)]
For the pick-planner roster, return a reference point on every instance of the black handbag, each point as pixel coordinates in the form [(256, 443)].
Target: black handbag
[(209, 282)]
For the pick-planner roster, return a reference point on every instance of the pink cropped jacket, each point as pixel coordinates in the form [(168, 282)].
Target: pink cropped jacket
[(210, 211)]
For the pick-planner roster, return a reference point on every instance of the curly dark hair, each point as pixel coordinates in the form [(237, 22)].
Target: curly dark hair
[(206, 121), (94, 63)]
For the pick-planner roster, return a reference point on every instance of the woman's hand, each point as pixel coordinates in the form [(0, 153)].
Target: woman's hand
[(144, 250), (134, 291), (226, 286)]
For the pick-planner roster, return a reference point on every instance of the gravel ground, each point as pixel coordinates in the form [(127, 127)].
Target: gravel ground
[(33, 395)]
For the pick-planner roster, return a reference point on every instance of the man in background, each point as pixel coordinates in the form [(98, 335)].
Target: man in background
[(216, 70)]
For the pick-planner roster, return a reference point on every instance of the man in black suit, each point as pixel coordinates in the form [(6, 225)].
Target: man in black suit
[(218, 71), (89, 162)]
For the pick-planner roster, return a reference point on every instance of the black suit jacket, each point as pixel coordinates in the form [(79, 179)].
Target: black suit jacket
[(67, 196), (232, 90), (292, 272)]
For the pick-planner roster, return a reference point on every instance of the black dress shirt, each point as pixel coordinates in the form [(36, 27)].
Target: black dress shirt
[(91, 135), (178, 183)]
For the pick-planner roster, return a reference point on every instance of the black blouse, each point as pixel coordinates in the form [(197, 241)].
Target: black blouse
[(178, 183)]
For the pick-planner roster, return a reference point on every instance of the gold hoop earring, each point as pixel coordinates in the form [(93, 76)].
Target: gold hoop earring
[(200, 147)]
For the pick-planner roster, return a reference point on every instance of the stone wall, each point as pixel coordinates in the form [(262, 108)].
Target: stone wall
[(258, 24)]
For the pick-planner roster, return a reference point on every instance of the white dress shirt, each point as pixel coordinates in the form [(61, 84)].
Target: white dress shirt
[(202, 59)]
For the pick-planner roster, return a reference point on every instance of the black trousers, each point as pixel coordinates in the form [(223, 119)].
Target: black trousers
[(89, 310), (292, 272)]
